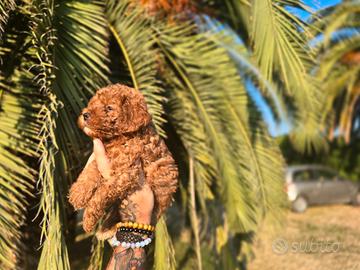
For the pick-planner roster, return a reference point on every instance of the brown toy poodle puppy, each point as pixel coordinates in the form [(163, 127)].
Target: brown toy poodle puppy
[(118, 116)]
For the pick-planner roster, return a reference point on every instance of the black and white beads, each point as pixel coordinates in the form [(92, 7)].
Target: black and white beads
[(115, 243)]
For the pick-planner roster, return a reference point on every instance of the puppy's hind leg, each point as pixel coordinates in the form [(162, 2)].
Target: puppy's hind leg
[(162, 175)]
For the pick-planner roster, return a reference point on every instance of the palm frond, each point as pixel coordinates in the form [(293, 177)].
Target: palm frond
[(5, 7), (193, 215), (164, 252), (132, 31), (236, 13), (81, 60), (193, 136), (69, 74), (277, 42), (281, 48), (247, 66), (17, 128), (332, 57), (199, 72), (338, 80), (178, 46), (338, 66), (97, 255), (54, 252), (336, 18), (18, 136)]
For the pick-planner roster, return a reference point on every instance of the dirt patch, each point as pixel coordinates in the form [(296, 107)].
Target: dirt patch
[(322, 238)]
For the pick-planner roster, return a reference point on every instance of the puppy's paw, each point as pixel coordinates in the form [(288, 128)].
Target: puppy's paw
[(89, 220), (80, 194)]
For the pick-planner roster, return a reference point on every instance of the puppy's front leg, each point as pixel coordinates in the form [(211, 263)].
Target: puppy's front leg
[(118, 186), (84, 187)]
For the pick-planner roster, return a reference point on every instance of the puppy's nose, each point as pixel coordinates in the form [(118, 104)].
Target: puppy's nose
[(86, 116)]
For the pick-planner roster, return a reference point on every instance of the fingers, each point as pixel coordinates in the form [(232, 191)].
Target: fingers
[(91, 158), (102, 160)]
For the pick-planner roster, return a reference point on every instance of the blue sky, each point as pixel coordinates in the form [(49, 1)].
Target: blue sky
[(321, 3), (316, 4), (283, 127)]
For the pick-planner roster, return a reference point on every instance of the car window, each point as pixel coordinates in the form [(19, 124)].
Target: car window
[(303, 176), (325, 175)]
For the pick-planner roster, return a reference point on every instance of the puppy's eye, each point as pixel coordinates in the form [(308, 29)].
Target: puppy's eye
[(108, 108)]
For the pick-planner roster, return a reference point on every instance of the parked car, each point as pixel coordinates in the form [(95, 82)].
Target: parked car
[(315, 184)]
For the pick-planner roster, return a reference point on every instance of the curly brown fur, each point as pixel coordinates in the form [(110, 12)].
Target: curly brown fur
[(118, 115)]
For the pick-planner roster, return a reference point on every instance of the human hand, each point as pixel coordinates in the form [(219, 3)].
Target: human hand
[(102, 161), (138, 206)]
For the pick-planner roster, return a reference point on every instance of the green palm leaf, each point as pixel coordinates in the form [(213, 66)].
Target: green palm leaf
[(193, 136), (336, 18), (68, 73), (248, 67), (200, 73), (81, 58), (164, 251), (132, 31), (5, 7), (18, 141), (332, 57), (54, 252), (282, 49), (205, 104), (16, 177), (338, 67), (97, 255)]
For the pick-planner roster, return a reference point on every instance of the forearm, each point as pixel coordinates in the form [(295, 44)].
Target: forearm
[(127, 259), (137, 210)]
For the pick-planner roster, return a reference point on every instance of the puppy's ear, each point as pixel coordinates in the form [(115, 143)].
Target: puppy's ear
[(134, 111)]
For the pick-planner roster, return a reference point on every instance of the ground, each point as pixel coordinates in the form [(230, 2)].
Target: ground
[(326, 237)]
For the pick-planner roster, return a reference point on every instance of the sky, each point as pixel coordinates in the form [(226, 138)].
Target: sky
[(315, 4), (284, 126)]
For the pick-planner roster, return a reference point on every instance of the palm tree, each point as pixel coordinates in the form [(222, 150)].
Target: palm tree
[(338, 49), (194, 71)]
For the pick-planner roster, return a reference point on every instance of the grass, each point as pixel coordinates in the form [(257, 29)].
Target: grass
[(326, 237)]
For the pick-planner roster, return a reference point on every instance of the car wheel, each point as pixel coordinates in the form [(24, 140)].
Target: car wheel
[(299, 205), (356, 199)]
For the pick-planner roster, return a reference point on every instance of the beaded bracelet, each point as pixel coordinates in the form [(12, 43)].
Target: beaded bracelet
[(115, 243), (135, 225), (128, 237), (125, 229)]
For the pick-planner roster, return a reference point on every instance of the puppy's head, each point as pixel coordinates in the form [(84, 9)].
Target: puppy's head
[(114, 110)]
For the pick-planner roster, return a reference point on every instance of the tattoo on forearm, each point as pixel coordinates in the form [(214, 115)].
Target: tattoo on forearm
[(128, 260), (128, 210)]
